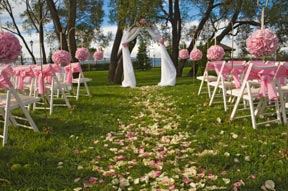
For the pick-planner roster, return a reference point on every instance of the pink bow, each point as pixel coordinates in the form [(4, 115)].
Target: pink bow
[(267, 86), (235, 73), (5, 82), (124, 44), (22, 74), (47, 72), (70, 69)]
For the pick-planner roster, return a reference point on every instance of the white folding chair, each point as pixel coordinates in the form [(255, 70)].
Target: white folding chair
[(78, 81), (49, 85), (281, 80), (229, 77), (263, 96), (207, 78), (11, 100)]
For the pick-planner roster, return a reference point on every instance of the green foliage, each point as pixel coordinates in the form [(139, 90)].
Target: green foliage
[(127, 12), (143, 61)]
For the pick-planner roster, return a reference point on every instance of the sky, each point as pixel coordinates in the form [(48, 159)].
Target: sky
[(153, 50)]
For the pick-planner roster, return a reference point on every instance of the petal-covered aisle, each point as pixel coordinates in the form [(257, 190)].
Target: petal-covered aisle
[(151, 152)]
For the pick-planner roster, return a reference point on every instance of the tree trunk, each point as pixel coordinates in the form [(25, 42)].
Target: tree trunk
[(119, 70), (41, 36), (58, 27), (114, 56), (233, 20), (201, 24), (175, 19), (71, 28)]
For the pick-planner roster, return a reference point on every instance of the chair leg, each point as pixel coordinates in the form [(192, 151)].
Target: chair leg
[(25, 111), (87, 89), (6, 118), (78, 90), (201, 85)]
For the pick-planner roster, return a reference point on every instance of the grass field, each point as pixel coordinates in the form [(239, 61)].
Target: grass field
[(145, 138)]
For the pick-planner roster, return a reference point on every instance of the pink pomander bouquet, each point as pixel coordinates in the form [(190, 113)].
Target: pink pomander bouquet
[(98, 55), (61, 57), (196, 54), (262, 43), (215, 52), (183, 54), (142, 23), (10, 47), (82, 54)]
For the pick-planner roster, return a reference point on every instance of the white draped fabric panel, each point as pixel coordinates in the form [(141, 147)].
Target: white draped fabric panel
[(128, 71), (168, 71)]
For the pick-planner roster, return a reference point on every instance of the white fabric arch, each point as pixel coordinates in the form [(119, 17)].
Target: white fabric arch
[(168, 71)]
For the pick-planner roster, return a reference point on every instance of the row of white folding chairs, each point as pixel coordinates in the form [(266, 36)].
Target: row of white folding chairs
[(13, 79), (56, 80), (10, 100), (245, 85)]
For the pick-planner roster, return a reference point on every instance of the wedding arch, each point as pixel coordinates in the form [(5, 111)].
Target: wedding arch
[(168, 71)]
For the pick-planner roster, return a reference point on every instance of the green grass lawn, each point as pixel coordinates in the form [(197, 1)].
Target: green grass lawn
[(144, 138)]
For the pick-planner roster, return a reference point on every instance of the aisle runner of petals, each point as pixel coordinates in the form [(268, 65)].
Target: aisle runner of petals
[(148, 154)]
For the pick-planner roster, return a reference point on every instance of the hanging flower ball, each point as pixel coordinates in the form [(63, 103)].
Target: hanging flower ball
[(183, 54), (215, 52), (262, 43), (196, 54), (10, 47), (98, 55), (61, 57), (82, 54)]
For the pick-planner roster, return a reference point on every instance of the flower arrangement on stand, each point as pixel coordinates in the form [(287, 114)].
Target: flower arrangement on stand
[(183, 54), (215, 52), (195, 55), (98, 55), (10, 47), (263, 42), (82, 54), (61, 57)]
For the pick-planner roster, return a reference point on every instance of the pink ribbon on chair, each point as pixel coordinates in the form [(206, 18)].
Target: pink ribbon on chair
[(21, 74), (267, 87), (48, 72), (235, 73), (70, 69), (5, 82)]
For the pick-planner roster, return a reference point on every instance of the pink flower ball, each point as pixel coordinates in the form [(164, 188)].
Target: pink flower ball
[(10, 47), (262, 43), (196, 54), (82, 54), (215, 52), (61, 57), (98, 55), (143, 22), (183, 54), (161, 41)]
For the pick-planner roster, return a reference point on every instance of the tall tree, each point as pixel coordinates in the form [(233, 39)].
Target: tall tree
[(173, 14), (143, 61), (71, 17)]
